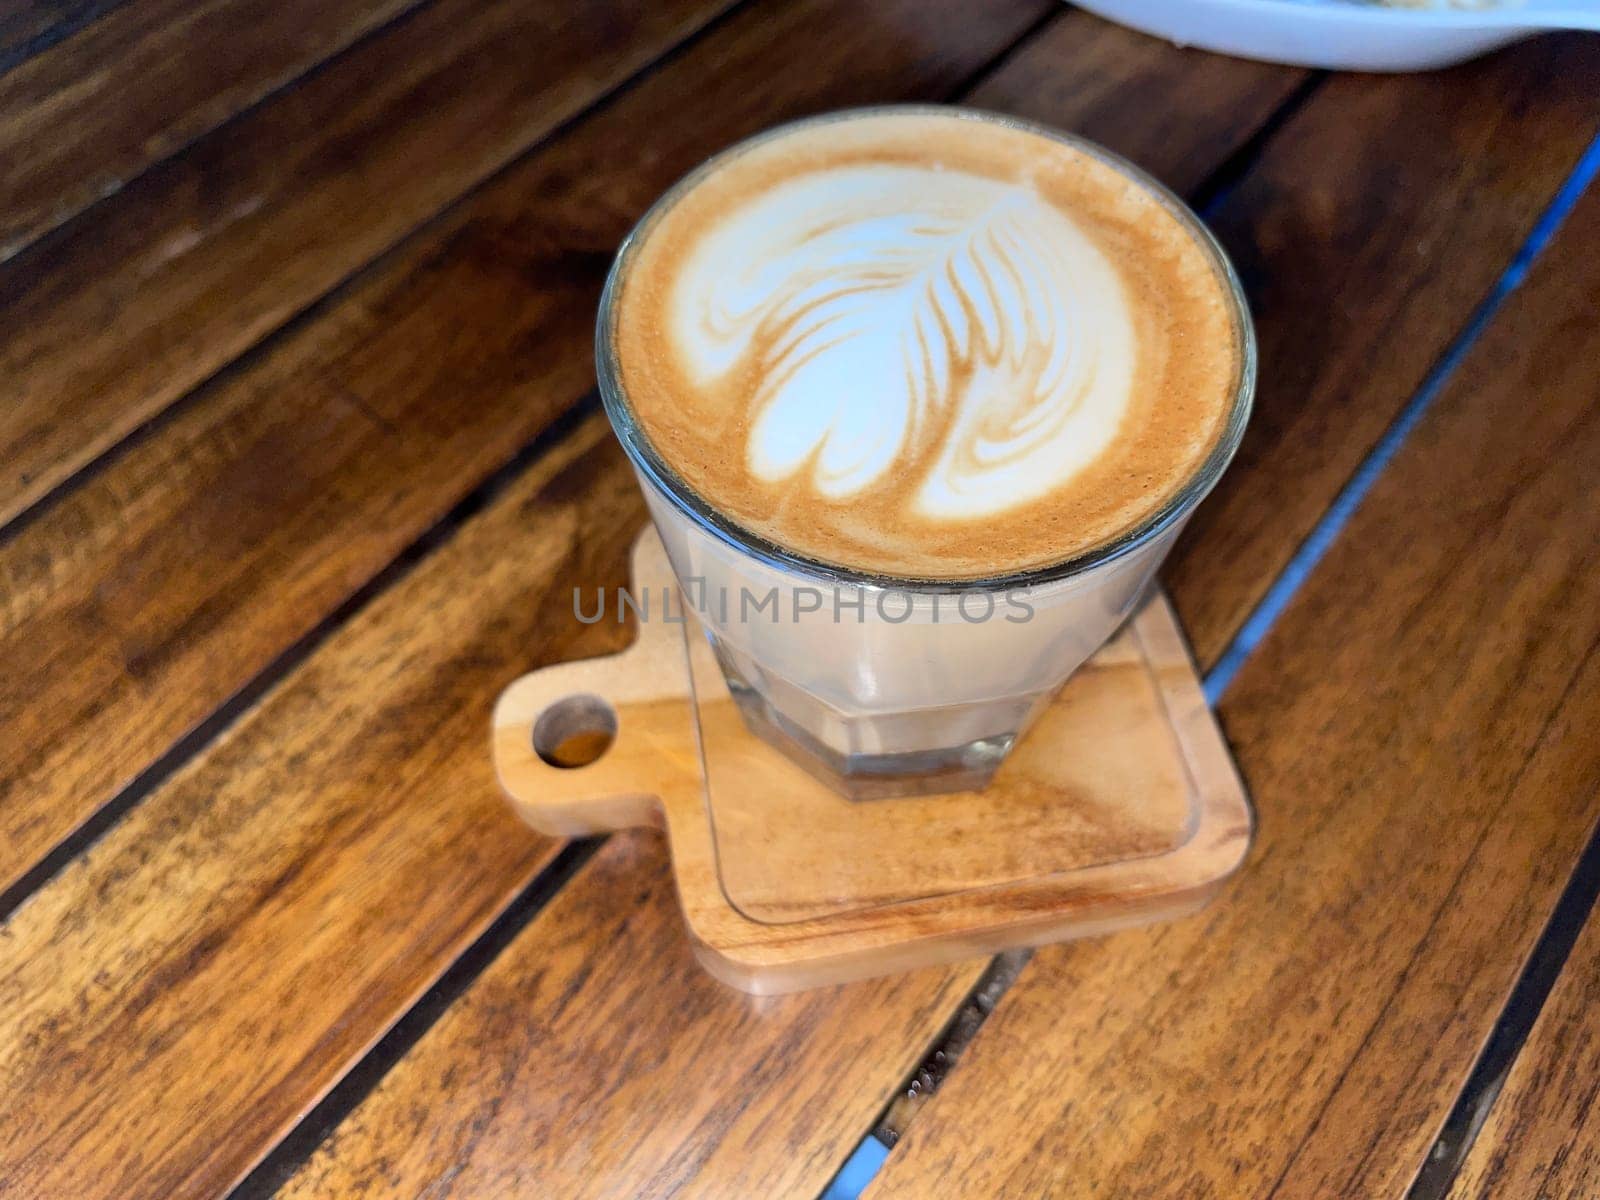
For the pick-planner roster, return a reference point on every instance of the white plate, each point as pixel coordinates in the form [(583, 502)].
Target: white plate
[(1344, 35)]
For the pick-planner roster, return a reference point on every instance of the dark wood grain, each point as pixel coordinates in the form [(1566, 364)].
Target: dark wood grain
[(596, 1058), (90, 113), (146, 597), (260, 919), (1375, 221), (180, 993), (1410, 731), (1178, 113), (1542, 1137), (126, 309), (29, 26)]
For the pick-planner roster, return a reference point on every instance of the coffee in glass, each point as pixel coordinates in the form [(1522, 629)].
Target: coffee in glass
[(919, 399)]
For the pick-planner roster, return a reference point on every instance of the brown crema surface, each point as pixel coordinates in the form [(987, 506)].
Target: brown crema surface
[(1186, 361)]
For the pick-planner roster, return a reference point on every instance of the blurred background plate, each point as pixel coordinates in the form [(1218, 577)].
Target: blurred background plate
[(1343, 34)]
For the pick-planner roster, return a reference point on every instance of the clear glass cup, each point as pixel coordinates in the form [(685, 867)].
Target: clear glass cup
[(884, 686)]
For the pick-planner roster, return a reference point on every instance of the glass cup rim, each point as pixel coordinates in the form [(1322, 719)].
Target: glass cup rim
[(655, 469)]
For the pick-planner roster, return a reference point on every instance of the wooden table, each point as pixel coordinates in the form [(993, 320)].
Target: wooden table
[(300, 460)]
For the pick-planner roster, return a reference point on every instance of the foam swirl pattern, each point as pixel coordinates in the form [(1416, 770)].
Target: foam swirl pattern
[(896, 317), (924, 344)]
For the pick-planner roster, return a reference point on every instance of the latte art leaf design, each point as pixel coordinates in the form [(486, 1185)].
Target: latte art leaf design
[(949, 331)]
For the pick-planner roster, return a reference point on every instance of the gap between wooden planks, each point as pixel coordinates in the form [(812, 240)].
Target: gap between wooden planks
[(127, 308), (1542, 1135), (90, 113), (30, 27), (1410, 731)]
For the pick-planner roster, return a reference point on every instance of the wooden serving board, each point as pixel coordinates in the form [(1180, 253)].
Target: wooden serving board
[(1120, 806)]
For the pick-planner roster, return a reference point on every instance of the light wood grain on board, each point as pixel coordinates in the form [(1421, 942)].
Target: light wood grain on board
[(91, 112), (1410, 733), (1542, 1137), (127, 308), (241, 936), (143, 599), (1120, 807), (596, 1058)]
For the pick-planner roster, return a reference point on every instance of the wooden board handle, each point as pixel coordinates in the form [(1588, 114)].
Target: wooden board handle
[(572, 742)]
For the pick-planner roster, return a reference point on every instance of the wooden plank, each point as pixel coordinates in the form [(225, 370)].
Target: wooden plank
[(29, 26), (139, 603), (1411, 732), (1375, 222), (596, 1058), (126, 309), (93, 111), (1542, 1137), (191, 984), (1177, 113), (181, 993)]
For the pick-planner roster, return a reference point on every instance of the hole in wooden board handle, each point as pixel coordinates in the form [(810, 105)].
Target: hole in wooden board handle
[(575, 731)]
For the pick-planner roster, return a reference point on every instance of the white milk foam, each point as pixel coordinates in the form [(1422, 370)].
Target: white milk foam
[(903, 314), (925, 344)]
